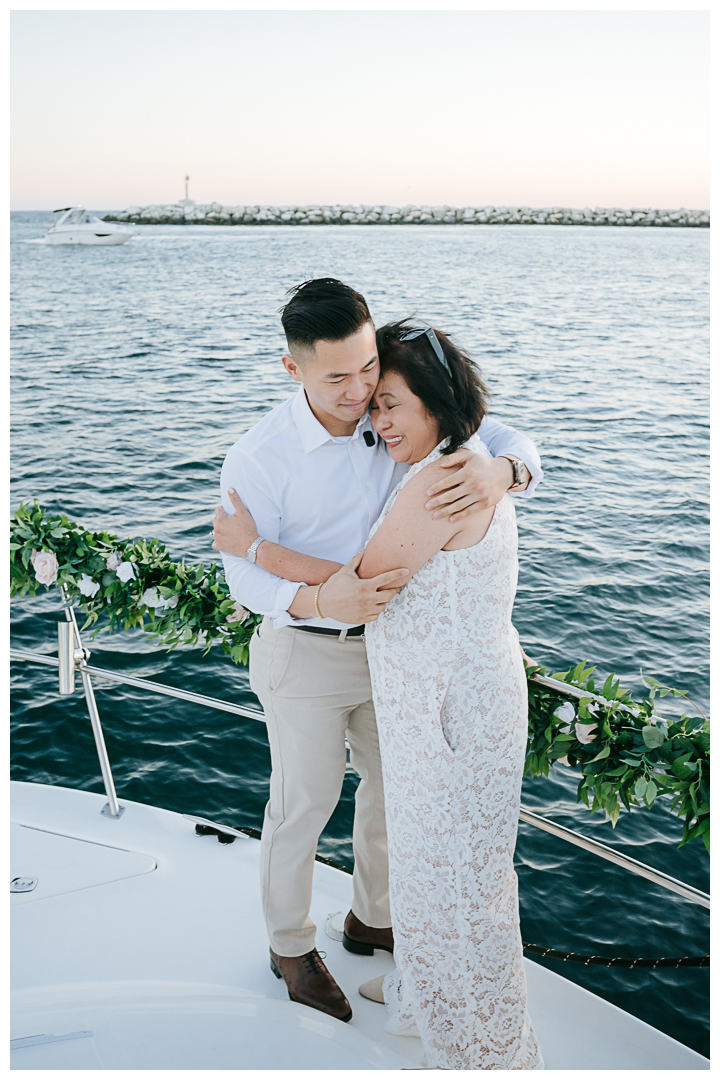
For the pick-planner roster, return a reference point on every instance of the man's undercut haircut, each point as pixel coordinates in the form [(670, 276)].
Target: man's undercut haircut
[(456, 396), (323, 309)]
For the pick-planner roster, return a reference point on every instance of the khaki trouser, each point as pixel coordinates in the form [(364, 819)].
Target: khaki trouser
[(315, 690)]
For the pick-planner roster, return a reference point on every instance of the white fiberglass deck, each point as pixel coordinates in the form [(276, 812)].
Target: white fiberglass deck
[(143, 946)]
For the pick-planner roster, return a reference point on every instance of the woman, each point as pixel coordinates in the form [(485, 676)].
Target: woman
[(451, 701)]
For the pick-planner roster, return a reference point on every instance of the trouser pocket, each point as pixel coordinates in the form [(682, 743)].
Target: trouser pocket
[(270, 655)]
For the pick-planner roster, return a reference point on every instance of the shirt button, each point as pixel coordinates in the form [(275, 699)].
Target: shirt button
[(367, 487)]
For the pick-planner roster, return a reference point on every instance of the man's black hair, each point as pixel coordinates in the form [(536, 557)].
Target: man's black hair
[(456, 398), (323, 309)]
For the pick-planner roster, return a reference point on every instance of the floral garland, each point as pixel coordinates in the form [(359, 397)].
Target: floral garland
[(134, 583), (627, 755)]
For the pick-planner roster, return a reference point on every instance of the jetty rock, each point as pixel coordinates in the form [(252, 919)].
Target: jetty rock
[(187, 212)]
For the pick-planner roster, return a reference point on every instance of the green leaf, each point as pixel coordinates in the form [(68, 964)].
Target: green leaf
[(653, 736), (605, 752), (650, 793), (640, 787)]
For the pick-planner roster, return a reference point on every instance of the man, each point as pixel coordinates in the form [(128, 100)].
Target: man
[(315, 477)]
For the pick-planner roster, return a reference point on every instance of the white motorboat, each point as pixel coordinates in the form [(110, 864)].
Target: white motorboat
[(75, 226), (138, 942)]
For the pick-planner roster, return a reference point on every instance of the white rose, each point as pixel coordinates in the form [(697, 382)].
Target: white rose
[(113, 561), (45, 565), (87, 586), (125, 571), (151, 598), (238, 613), (563, 761), (582, 731), (565, 712)]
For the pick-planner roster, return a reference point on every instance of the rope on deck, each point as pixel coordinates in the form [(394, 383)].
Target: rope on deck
[(620, 961)]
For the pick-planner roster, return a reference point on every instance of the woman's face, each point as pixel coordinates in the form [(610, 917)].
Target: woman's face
[(409, 430)]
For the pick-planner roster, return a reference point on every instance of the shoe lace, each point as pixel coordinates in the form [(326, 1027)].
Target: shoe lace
[(314, 962)]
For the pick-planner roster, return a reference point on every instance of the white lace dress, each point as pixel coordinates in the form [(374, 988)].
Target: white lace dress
[(451, 701)]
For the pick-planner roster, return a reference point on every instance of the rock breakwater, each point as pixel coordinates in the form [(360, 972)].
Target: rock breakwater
[(187, 212)]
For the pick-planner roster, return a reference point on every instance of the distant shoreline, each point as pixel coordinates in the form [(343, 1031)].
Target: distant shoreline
[(187, 212)]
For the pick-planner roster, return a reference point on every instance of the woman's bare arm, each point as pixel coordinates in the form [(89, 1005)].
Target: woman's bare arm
[(409, 536), (234, 533)]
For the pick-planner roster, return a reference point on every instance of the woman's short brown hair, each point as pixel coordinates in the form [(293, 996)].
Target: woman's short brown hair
[(456, 398)]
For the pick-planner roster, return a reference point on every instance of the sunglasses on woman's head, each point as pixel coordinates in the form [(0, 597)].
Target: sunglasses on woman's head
[(410, 335)]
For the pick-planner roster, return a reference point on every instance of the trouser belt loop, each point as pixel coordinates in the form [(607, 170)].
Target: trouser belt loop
[(342, 636)]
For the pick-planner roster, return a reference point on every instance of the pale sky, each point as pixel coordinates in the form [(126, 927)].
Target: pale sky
[(537, 108)]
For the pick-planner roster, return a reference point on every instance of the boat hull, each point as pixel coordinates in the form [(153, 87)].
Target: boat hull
[(142, 946), (86, 238)]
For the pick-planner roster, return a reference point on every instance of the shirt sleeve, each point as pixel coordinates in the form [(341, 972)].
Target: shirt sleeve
[(501, 439), (256, 589)]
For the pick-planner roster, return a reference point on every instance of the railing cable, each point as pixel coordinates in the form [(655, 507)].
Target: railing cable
[(688, 892)]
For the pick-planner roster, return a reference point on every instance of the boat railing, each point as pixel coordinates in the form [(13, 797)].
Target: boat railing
[(73, 657)]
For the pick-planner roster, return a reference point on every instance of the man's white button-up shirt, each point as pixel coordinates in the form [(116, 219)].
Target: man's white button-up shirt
[(319, 494)]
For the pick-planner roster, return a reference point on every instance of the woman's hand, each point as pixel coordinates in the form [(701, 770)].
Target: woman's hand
[(234, 533), (528, 660), (479, 484)]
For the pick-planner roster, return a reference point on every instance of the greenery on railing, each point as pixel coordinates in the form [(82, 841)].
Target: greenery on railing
[(626, 758), (133, 583), (626, 753)]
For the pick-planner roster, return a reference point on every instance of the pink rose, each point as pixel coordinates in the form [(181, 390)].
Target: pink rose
[(582, 731), (238, 613), (45, 565), (563, 761), (113, 561)]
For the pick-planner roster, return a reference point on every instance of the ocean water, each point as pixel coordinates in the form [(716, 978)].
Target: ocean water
[(135, 368)]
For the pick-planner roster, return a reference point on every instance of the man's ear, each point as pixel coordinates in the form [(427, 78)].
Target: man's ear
[(292, 367)]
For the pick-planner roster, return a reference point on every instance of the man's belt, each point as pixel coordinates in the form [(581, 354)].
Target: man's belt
[(354, 631)]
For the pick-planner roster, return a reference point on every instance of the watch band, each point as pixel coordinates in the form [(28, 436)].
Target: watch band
[(251, 553)]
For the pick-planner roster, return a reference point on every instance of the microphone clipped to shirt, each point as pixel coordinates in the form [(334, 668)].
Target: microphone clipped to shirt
[(369, 438)]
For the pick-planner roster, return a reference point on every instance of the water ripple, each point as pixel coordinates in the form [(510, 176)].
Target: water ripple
[(135, 367)]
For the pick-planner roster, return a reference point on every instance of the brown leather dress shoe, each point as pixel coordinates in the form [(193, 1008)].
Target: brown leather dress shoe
[(310, 983), (359, 938)]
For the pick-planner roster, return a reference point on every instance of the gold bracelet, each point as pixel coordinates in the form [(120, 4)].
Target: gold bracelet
[(317, 594)]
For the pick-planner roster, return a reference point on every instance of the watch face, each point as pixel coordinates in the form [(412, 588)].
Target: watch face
[(519, 473)]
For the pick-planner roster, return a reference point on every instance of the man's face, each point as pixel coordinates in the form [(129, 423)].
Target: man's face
[(339, 378)]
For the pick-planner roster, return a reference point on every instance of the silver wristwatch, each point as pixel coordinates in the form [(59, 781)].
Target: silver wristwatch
[(519, 473), (251, 553)]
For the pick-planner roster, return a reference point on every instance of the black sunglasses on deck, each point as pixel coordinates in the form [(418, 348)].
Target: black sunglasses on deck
[(410, 335)]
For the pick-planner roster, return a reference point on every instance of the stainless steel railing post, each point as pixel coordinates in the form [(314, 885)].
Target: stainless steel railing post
[(66, 657), (81, 656)]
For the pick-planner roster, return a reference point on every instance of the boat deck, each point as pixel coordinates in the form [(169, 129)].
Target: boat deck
[(143, 945)]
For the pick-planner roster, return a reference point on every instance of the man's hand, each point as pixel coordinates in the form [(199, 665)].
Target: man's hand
[(479, 484), (347, 598), (234, 533)]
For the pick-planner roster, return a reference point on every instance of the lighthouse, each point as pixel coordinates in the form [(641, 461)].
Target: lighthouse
[(186, 201)]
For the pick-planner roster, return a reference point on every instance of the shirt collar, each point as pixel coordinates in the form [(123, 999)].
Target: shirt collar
[(311, 431)]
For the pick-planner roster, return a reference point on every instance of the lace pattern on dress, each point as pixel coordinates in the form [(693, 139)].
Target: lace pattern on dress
[(451, 701)]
